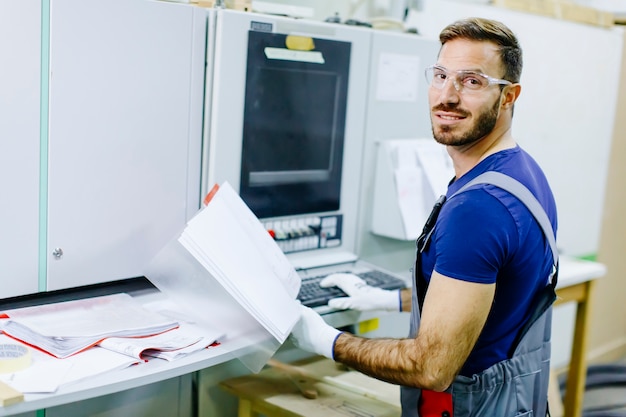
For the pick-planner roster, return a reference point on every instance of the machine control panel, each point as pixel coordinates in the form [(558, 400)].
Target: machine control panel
[(305, 233)]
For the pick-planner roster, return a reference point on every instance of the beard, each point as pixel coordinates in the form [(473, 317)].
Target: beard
[(484, 124)]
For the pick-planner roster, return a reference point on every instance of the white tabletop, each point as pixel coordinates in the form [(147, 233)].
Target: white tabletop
[(132, 377), (573, 271)]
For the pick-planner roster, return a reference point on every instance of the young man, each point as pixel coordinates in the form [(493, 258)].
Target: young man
[(481, 299)]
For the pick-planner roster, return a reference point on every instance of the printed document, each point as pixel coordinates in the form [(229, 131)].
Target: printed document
[(65, 328)]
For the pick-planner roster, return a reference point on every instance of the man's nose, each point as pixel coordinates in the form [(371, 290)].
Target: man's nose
[(452, 81), (450, 90)]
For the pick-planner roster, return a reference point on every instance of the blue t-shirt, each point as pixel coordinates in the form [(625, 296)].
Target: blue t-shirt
[(487, 235)]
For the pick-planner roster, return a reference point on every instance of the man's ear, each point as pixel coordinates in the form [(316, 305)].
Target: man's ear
[(510, 95)]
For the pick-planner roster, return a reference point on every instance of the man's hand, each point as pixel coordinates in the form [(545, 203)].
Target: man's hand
[(361, 296), (312, 334)]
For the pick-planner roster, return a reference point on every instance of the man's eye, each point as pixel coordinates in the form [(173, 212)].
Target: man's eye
[(473, 81)]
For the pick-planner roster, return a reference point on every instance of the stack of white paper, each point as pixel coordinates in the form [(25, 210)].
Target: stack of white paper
[(228, 240), (171, 345), (63, 329)]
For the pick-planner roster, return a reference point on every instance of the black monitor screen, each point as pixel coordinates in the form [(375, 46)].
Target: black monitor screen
[(294, 120)]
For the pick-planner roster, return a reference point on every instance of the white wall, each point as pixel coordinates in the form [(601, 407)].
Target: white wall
[(565, 114)]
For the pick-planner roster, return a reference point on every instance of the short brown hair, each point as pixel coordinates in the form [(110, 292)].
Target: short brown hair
[(480, 29)]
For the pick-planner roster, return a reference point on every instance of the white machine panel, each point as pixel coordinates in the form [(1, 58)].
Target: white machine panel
[(224, 140), (126, 92), (20, 48), (397, 108)]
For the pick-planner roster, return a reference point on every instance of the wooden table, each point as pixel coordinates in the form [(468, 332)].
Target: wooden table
[(576, 283), (279, 393)]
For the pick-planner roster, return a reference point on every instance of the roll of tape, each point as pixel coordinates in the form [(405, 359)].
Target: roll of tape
[(14, 358)]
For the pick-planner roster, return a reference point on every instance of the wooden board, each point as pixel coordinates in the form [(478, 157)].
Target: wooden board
[(561, 10)]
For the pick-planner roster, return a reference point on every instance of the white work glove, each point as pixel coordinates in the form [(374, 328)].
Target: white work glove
[(362, 297), (312, 334)]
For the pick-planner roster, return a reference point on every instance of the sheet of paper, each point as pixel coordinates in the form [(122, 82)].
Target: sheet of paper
[(265, 244), (230, 245), (96, 361), (405, 156), (410, 192), (437, 166), (115, 313), (41, 378), (186, 339), (46, 373), (398, 77), (173, 355), (66, 328)]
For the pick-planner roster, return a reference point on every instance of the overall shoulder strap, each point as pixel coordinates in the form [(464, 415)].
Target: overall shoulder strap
[(523, 194)]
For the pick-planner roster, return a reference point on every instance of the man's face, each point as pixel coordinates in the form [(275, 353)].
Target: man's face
[(463, 118)]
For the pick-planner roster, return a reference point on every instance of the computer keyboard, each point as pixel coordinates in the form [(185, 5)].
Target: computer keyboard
[(312, 295)]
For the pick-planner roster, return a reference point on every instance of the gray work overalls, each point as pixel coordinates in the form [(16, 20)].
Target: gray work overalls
[(517, 386)]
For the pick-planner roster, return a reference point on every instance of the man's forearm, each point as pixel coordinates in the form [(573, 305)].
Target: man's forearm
[(398, 361)]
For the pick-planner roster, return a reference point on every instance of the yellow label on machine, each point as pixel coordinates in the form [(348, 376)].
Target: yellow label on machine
[(368, 325), (299, 43)]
